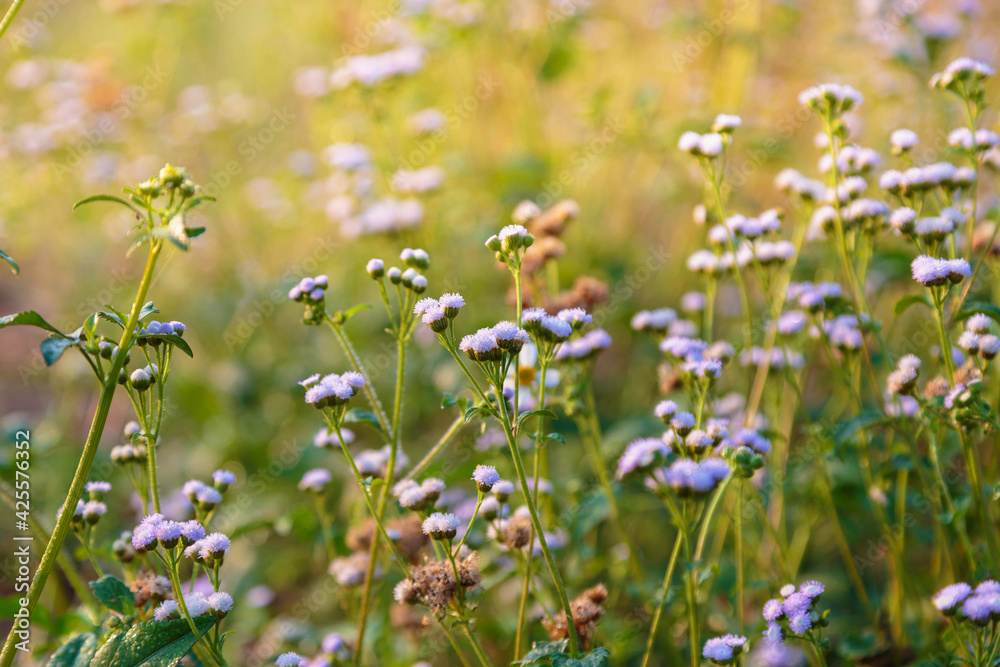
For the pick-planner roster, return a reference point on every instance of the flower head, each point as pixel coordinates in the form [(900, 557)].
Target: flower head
[(947, 599), (485, 477), (219, 603), (315, 480), (440, 526)]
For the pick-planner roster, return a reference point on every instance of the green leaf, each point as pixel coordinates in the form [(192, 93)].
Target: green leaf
[(173, 339), (903, 304), (28, 318), (359, 416), (846, 431), (138, 244), (53, 348), (110, 198), (147, 310), (542, 651), (195, 201), (13, 265), (192, 232), (471, 412), (77, 652), (597, 658), (151, 644), (114, 594), (451, 400), (111, 317), (535, 413), (90, 325)]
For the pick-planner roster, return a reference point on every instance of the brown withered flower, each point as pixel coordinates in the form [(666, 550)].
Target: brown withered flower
[(433, 584), (587, 611), (149, 587)]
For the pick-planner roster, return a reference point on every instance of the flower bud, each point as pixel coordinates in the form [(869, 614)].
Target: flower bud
[(171, 176), (375, 268), (493, 243), (395, 275), (141, 379)]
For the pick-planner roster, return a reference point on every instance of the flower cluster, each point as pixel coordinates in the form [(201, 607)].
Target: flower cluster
[(795, 614), (333, 390)]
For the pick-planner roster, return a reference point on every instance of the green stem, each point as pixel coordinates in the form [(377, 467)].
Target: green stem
[(9, 497), (438, 446), (479, 503), (368, 502), (8, 18), (949, 362), (845, 548), (525, 592), (740, 601), (379, 513), (477, 648), (975, 474), (591, 443), (324, 522), (691, 587), (454, 643), (54, 545), (536, 522), (737, 271), (530, 552), (175, 582), (352, 356), (664, 592)]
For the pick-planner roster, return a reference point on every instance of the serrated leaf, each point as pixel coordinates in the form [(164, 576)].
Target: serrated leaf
[(535, 413), (114, 594), (904, 304), (597, 658), (359, 416), (542, 651), (173, 339), (151, 644), (13, 265), (77, 652), (846, 431), (28, 318), (147, 309), (471, 412), (111, 198), (53, 348), (111, 317)]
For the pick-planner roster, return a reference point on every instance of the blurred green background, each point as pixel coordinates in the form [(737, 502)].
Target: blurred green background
[(541, 100)]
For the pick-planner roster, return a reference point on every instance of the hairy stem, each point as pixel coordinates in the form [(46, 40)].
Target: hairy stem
[(54, 545), (664, 592)]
